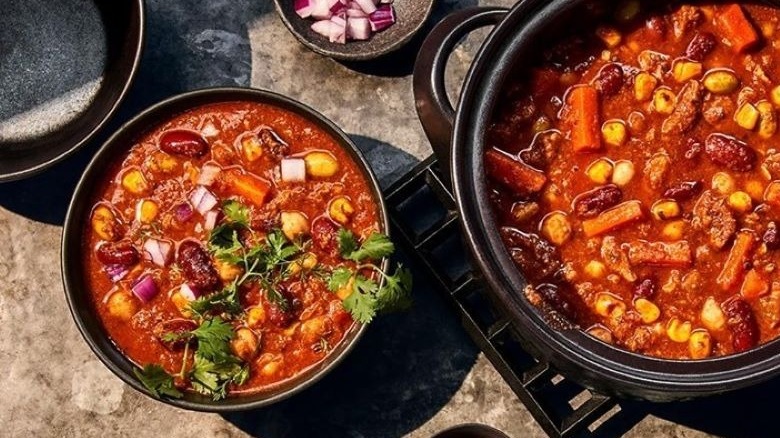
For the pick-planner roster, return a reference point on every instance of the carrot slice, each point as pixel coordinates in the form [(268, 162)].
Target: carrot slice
[(754, 285), (253, 188), (583, 115), (677, 254), (621, 214), (737, 28), (734, 267), (514, 174)]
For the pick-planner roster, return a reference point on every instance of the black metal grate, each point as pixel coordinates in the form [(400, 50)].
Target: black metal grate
[(425, 220)]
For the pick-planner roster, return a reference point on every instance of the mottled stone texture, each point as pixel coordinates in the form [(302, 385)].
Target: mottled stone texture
[(413, 374)]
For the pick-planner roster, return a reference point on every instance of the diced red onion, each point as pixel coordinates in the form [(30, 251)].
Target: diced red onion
[(116, 272), (145, 288), (203, 200), (322, 27), (293, 170), (383, 18), (208, 174), (368, 6), (386, 2), (358, 28), (211, 220), (338, 33), (189, 292), (209, 130), (158, 251), (356, 13), (304, 8), (183, 212), (324, 9)]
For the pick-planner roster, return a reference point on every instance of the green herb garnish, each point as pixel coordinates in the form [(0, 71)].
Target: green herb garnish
[(157, 381)]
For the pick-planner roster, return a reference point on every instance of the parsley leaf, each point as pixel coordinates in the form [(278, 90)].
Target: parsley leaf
[(157, 381), (214, 337), (225, 301), (236, 212), (214, 378)]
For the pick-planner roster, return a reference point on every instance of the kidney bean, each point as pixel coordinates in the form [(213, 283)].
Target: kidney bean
[(730, 152), (771, 237), (700, 46), (684, 191), (742, 322), (119, 253), (196, 266), (592, 203), (277, 314), (176, 329), (609, 79), (324, 235), (556, 299), (183, 142), (646, 287)]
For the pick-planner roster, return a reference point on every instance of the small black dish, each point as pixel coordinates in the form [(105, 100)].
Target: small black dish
[(64, 69), (411, 16), (471, 430)]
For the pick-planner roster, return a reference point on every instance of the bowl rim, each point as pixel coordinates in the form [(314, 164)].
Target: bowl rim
[(77, 144), (72, 236)]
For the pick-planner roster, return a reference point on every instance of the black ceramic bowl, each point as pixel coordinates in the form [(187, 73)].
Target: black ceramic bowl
[(123, 24), (78, 214), (411, 16), (458, 139)]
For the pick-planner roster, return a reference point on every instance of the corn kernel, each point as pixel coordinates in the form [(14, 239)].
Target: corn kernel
[(664, 100), (608, 304), (755, 189), (747, 116), (767, 125), (721, 81), (104, 223), (712, 316), (134, 182), (740, 202), (321, 164), (673, 231), (614, 132), (665, 209), (644, 85), (775, 96), (556, 228), (611, 36), (255, 316), (772, 194), (146, 211), (623, 173), (700, 344), (251, 147), (647, 310), (601, 333), (341, 210), (723, 183), (678, 331), (684, 70), (596, 269), (600, 171)]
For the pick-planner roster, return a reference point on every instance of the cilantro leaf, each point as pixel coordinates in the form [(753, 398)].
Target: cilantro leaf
[(236, 212), (225, 301), (213, 378), (339, 278), (362, 303), (214, 337), (395, 294), (347, 242), (157, 381), (377, 246)]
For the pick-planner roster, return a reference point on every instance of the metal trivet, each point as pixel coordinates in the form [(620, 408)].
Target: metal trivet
[(425, 220)]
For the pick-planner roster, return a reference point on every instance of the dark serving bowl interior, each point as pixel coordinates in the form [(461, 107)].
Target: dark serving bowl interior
[(585, 359), (72, 237), (123, 24), (411, 16)]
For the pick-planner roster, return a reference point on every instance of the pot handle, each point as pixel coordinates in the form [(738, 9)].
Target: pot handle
[(434, 108)]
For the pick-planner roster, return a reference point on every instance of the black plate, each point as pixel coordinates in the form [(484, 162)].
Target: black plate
[(65, 66), (410, 14)]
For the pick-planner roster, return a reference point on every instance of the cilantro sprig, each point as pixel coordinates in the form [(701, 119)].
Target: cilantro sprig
[(157, 381)]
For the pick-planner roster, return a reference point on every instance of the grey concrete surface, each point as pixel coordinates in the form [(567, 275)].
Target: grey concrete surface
[(413, 374)]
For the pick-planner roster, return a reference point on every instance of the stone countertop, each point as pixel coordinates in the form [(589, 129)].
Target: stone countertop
[(413, 374)]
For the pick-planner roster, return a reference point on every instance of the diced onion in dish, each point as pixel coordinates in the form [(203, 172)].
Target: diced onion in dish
[(203, 200), (209, 130), (211, 220), (293, 170), (183, 212), (208, 174), (145, 288), (116, 272), (157, 251), (189, 292), (340, 20)]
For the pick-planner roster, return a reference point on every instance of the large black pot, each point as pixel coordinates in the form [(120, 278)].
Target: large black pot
[(458, 138)]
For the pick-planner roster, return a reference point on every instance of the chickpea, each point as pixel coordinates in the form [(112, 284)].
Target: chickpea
[(146, 211), (755, 189), (600, 171), (122, 305), (648, 311), (665, 209), (608, 305), (636, 122), (712, 315), (684, 70), (664, 100), (251, 147), (134, 182), (644, 85), (104, 223), (673, 230), (556, 228), (740, 202), (721, 81), (623, 173), (611, 36), (305, 263), (678, 331), (227, 271), (767, 125), (182, 303), (601, 333), (747, 116), (723, 183), (271, 368), (255, 316), (596, 269), (321, 164), (614, 132), (700, 344), (245, 344), (312, 329), (341, 210), (294, 224)]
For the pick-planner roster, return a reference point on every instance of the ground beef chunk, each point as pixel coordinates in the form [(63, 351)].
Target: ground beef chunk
[(687, 110), (685, 19), (717, 108), (542, 150), (656, 170), (712, 216), (616, 259), (537, 258), (654, 62), (772, 163)]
